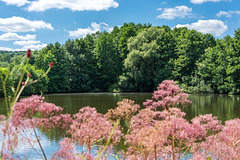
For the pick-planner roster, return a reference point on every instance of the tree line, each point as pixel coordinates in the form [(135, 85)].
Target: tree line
[(134, 58)]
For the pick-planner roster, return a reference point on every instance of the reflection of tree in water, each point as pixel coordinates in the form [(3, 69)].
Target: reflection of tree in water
[(224, 106), (101, 101), (54, 135)]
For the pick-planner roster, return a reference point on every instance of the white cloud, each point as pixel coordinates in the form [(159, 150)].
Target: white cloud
[(6, 49), (34, 47), (227, 14), (82, 32), (74, 5), (176, 12), (202, 1), (212, 26), (14, 36), (15, 2), (24, 48), (19, 24), (164, 2), (26, 43)]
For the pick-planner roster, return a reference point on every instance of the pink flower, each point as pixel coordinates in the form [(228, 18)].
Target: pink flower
[(29, 74), (28, 53), (23, 83), (2, 117), (32, 107), (51, 64), (63, 121), (225, 144), (209, 123), (125, 110), (167, 95), (67, 151), (89, 126)]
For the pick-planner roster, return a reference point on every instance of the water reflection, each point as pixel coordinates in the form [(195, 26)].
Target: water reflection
[(224, 106), (101, 101)]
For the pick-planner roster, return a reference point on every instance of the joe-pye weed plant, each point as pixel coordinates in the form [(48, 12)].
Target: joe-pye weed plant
[(157, 131), (8, 126)]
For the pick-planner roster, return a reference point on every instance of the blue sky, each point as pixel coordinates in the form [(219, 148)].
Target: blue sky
[(33, 24)]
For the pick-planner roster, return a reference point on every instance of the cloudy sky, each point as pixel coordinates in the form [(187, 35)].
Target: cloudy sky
[(35, 23)]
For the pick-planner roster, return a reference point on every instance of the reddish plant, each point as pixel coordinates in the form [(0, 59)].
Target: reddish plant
[(2, 117), (89, 127), (33, 112), (34, 106), (125, 110), (28, 53), (151, 134), (67, 151), (167, 95), (51, 64), (161, 134), (223, 145)]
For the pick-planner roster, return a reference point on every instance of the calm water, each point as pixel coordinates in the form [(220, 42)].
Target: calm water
[(224, 106)]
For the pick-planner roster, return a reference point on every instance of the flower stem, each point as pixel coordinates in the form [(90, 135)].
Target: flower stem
[(39, 144), (173, 152)]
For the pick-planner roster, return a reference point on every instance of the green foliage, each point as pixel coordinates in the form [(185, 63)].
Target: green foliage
[(136, 57), (58, 77), (40, 86), (109, 62), (190, 46), (147, 62), (9, 83), (36, 88), (82, 63)]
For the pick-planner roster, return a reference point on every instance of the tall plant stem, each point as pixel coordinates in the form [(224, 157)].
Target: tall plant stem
[(35, 133), (173, 153), (108, 141), (39, 143), (155, 150), (20, 82), (186, 150), (128, 122), (33, 147), (5, 97), (179, 149)]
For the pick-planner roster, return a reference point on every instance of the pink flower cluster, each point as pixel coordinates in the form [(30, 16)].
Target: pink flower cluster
[(36, 109), (168, 95), (67, 151), (125, 110), (210, 124), (11, 139), (2, 117), (149, 133), (166, 134), (89, 127), (223, 145), (154, 133)]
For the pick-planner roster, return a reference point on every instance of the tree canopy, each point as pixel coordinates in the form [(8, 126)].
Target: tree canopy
[(137, 57)]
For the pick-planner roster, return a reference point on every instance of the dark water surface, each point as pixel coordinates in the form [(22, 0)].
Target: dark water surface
[(224, 106)]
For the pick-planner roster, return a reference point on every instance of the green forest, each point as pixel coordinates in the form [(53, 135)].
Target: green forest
[(132, 58)]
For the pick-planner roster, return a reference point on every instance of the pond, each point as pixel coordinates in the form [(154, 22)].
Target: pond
[(221, 105), (224, 106)]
